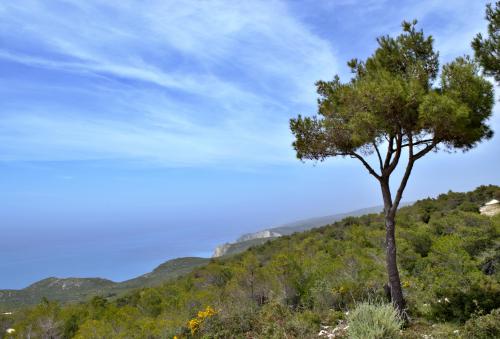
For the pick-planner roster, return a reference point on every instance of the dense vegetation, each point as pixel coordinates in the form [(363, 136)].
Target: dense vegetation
[(449, 256)]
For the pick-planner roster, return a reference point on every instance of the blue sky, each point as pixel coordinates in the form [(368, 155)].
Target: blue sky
[(135, 132)]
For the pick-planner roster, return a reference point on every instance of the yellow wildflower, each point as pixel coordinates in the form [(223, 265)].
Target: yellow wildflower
[(194, 325), (208, 312)]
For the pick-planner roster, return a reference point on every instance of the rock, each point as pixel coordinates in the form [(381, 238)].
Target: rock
[(491, 208), (339, 331)]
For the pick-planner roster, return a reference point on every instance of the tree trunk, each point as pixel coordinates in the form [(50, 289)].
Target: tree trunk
[(396, 292), (392, 266)]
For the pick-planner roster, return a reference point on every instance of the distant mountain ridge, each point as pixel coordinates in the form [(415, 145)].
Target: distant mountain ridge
[(79, 289), (252, 239)]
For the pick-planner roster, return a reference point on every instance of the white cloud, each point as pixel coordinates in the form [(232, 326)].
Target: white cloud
[(230, 55), (258, 35), (157, 137), (190, 83)]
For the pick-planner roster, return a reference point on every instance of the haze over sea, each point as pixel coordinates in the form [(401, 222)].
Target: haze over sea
[(130, 135)]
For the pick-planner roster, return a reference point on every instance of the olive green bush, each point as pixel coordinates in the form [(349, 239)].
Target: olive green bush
[(483, 327)]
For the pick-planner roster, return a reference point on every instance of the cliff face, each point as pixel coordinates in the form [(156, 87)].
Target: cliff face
[(259, 235), (239, 246), (221, 250), (243, 242)]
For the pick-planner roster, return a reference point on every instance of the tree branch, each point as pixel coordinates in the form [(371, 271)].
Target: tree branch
[(392, 166), (379, 157), (406, 176), (366, 164), (425, 150), (411, 161), (390, 151), (418, 142)]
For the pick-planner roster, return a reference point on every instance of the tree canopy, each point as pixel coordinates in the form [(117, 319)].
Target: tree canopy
[(487, 50), (395, 96)]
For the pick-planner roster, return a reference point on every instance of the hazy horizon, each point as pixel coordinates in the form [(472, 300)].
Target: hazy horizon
[(130, 136)]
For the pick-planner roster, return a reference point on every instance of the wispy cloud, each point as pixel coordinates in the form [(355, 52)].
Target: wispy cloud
[(180, 83), (182, 45), (227, 75)]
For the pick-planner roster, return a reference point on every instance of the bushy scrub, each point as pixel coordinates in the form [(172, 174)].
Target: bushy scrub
[(302, 324), (459, 304), (483, 327), (373, 321), (273, 320)]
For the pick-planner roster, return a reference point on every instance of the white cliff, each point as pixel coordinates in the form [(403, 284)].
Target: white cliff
[(259, 235), (221, 250)]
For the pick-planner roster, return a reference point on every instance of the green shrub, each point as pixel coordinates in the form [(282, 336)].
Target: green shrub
[(373, 321), (150, 302), (273, 320), (421, 241), (483, 327), (458, 305), (468, 206), (303, 323), (234, 325)]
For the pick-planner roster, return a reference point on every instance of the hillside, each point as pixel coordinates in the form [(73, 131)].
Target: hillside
[(307, 224), (81, 289), (168, 270), (290, 287), (65, 290), (252, 239)]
